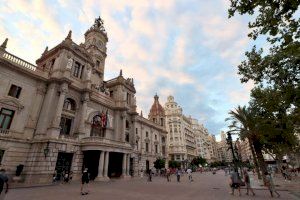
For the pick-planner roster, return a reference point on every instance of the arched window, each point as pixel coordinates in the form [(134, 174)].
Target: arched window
[(69, 104), (127, 124), (96, 129)]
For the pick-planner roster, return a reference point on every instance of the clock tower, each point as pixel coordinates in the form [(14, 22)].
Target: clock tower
[(95, 43)]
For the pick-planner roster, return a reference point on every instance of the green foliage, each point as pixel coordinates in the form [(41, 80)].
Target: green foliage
[(198, 161), (159, 163), (273, 113), (275, 19), (217, 164), (174, 164)]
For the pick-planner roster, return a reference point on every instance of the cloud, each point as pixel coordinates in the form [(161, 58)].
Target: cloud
[(184, 48)]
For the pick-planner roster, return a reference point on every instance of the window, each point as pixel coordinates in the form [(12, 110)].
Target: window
[(111, 94), (76, 69), (69, 104), (136, 131), (147, 147), (147, 134), (161, 121), (97, 129), (127, 124), (155, 137), (163, 139), (14, 91), (127, 137), (97, 63), (1, 155), (156, 148), (163, 149), (177, 157), (6, 117), (154, 120), (65, 125), (128, 98)]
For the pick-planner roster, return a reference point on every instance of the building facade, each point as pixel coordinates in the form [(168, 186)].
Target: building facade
[(60, 115), (181, 138)]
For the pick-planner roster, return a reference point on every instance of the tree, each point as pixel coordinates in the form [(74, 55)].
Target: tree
[(275, 72), (243, 124), (174, 164), (159, 163), (199, 161)]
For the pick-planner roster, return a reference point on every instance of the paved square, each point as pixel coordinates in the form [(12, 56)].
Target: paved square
[(205, 186)]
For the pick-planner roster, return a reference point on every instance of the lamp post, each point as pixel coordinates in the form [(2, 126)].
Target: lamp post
[(229, 142)]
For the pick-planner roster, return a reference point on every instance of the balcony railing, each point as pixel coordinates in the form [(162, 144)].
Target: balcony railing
[(4, 131), (16, 60)]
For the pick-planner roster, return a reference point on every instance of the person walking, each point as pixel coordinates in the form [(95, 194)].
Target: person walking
[(270, 184), (85, 179), (247, 182), (178, 173), (168, 174), (149, 175), (235, 182), (3, 180), (189, 172)]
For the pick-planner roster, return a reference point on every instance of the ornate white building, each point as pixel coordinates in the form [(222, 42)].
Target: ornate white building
[(181, 138), (61, 115)]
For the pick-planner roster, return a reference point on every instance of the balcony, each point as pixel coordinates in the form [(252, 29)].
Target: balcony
[(95, 143)]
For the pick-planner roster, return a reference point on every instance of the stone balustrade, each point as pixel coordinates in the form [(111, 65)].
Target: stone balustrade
[(102, 140), (16, 60), (4, 131)]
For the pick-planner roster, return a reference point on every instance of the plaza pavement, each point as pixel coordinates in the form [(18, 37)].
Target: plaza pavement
[(206, 186)]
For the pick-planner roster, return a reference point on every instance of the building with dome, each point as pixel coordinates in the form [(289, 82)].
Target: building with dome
[(181, 137), (60, 115)]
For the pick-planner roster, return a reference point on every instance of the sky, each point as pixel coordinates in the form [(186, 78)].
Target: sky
[(185, 48)]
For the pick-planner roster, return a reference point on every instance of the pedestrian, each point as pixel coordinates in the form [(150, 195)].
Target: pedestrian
[(178, 173), (3, 180), (66, 177), (235, 182), (189, 172), (54, 177), (149, 175), (247, 183), (85, 179), (270, 184), (168, 174)]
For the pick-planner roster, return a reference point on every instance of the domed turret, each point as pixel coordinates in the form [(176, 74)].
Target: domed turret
[(157, 112)]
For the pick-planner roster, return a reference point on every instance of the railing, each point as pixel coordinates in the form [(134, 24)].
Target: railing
[(18, 61), (71, 137), (103, 140), (4, 131)]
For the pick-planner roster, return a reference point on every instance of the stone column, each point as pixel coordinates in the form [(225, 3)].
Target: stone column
[(124, 164), (106, 164), (44, 121), (85, 99), (101, 165), (54, 130), (128, 165), (60, 103)]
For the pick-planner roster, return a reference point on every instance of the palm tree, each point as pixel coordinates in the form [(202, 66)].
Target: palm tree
[(244, 124)]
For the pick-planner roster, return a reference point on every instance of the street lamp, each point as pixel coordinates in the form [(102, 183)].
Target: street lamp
[(229, 142)]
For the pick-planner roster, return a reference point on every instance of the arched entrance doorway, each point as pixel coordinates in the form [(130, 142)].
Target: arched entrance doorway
[(91, 161)]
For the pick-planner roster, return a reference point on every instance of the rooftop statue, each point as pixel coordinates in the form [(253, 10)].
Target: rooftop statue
[(99, 23)]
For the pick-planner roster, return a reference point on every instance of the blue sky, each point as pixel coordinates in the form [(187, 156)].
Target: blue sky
[(185, 48)]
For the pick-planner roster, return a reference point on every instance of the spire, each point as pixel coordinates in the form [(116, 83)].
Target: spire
[(69, 36), (121, 72), (141, 113), (46, 50), (4, 44)]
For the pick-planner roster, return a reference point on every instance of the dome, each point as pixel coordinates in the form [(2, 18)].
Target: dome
[(156, 109)]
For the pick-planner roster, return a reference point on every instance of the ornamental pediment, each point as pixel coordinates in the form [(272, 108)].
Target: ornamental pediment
[(12, 103)]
